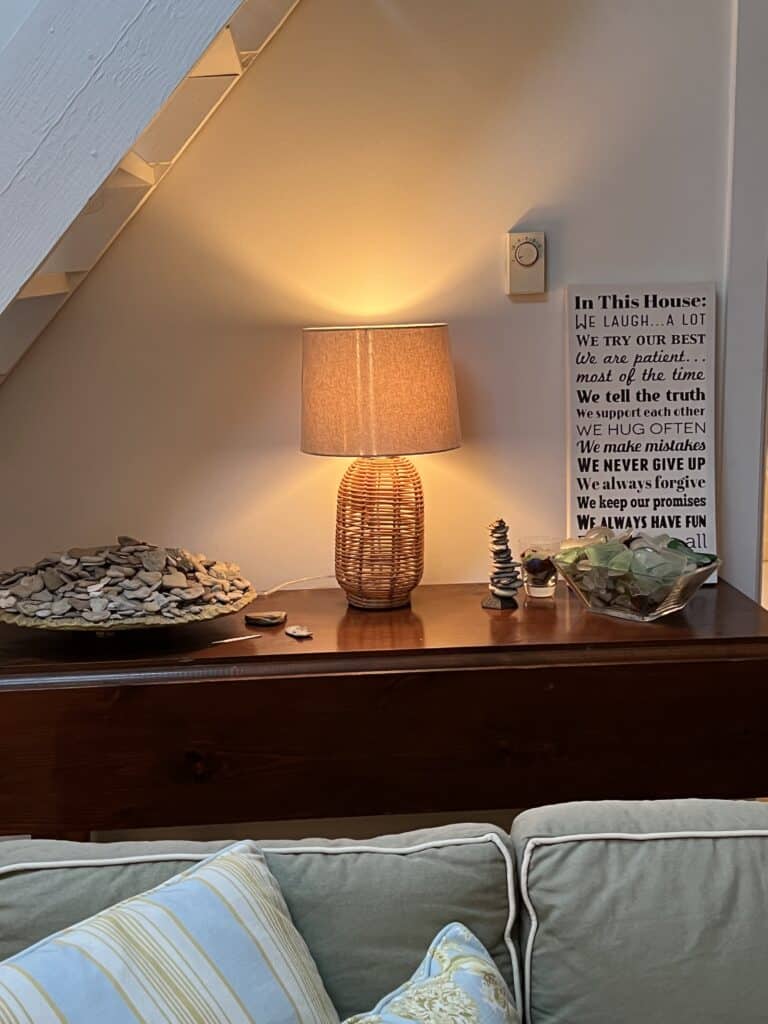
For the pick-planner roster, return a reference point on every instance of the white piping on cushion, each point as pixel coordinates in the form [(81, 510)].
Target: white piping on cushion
[(581, 837), (491, 837), (103, 862)]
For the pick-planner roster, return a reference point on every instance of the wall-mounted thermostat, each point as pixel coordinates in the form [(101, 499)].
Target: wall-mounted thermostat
[(526, 263)]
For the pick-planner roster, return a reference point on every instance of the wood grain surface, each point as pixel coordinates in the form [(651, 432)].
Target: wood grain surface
[(443, 706)]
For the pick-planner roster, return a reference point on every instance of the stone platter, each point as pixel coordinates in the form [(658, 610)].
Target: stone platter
[(128, 585)]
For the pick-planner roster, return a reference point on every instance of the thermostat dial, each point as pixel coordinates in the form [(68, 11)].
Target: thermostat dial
[(526, 254)]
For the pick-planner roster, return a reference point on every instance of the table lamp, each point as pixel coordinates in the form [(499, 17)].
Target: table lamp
[(379, 393)]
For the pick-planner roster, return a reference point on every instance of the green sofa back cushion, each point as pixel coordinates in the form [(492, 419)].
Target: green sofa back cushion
[(367, 909), (644, 912)]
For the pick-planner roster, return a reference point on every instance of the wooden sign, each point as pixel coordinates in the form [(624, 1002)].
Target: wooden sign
[(641, 391)]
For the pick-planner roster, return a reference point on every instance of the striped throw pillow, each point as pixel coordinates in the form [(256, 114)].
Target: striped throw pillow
[(214, 945)]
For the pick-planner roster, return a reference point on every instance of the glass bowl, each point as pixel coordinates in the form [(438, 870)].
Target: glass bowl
[(608, 581)]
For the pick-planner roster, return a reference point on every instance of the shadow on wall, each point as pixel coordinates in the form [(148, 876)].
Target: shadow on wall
[(367, 168)]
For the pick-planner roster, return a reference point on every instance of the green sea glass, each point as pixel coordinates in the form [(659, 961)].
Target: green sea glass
[(633, 575)]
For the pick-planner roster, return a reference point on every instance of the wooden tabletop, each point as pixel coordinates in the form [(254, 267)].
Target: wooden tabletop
[(441, 706), (446, 625)]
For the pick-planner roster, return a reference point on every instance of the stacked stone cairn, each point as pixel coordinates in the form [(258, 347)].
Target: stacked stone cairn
[(127, 584), (505, 579)]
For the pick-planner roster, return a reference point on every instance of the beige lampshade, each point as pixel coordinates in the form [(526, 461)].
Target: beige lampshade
[(378, 391)]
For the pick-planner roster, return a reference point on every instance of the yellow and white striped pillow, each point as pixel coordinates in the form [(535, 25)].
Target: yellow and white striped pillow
[(214, 945)]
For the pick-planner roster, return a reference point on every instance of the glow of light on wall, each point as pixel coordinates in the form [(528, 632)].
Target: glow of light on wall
[(337, 285)]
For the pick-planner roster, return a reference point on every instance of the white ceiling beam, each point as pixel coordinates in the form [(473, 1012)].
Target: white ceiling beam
[(181, 117), (45, 283), (221, 58), (78, 83), (21, 323), (90, 234), (132, 172), (257, 21)]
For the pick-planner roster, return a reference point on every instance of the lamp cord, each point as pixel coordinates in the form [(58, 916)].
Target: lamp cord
[(290, 583)]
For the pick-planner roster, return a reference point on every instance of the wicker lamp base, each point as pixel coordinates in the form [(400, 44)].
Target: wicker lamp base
[(380, 532)]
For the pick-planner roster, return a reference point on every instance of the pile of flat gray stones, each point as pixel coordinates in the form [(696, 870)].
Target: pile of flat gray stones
[(128, 583)]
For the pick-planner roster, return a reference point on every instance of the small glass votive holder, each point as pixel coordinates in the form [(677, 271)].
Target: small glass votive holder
[(539, 571)]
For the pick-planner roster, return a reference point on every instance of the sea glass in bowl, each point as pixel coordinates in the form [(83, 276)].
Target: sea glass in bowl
[(633, 576)]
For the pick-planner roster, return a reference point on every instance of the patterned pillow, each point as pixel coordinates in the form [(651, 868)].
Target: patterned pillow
[(457, 983), (215, 943)]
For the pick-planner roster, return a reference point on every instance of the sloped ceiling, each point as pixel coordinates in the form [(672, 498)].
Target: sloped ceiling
[(97, 102)]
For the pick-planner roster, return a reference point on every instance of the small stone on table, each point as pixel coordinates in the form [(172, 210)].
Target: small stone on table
[(299, 632), (266, 618)]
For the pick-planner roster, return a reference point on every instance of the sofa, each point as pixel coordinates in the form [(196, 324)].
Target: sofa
[(594, 912)]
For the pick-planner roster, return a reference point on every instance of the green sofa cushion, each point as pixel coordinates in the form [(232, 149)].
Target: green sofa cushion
[(644, 912), (367, 909), (214, 944)]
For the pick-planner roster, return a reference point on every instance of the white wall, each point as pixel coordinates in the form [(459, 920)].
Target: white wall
[(368, 168), (742, 463)]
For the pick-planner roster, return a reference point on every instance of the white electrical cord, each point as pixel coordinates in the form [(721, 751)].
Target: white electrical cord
[(268, 593), (290, 583)]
